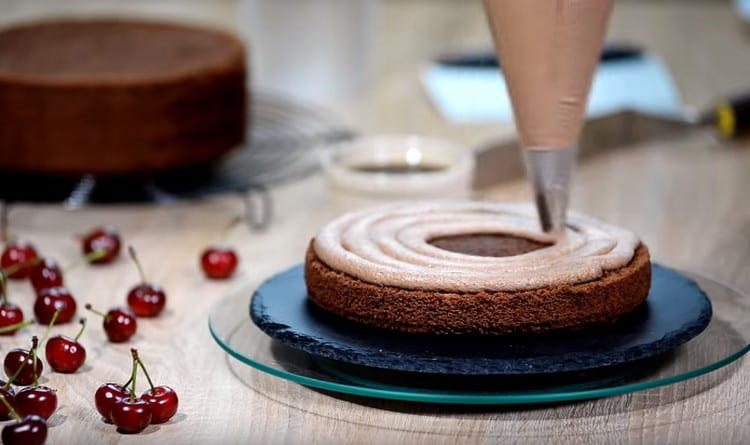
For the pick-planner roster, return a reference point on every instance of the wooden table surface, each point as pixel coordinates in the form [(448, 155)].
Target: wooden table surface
[(686, 197)]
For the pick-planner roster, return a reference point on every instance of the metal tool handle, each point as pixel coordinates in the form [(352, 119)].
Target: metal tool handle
[(258, 208), (732, 116)]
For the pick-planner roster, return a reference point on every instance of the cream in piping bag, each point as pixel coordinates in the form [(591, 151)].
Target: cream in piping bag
[(548, 51)]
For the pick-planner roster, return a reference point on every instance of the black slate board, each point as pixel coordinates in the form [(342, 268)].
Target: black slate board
[(675, 311)]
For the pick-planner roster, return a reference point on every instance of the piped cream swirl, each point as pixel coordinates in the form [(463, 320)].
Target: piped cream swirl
[(390, 246)]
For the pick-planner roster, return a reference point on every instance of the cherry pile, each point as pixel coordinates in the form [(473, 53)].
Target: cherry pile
[(28, 402), (120, 405), (33, 404), (30, 406)]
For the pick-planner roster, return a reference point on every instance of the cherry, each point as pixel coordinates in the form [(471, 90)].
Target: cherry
[(55, 299), (145, 300), (10, 314), (46, 274), (107, 395), (17, 259), (162, 399), (23, 364), (131, 414), (6, 391), (219, 263), (36, 400), (30, 430), (104, 239), (119, 323), (65, 354)]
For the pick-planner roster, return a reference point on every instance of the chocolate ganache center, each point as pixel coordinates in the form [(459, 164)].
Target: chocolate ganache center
[(487, 244)]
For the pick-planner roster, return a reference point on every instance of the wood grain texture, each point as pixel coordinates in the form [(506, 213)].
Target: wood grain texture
[(687, 197)]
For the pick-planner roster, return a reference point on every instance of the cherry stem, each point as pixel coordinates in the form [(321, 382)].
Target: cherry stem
[(34, 345), (88, 258), (228, 229), (134, 257), (82, 321), (36, 376), (49, 326), (125, 385), (10, 408), (133, 374), (15, 375), (16, 327), (91, 309), (134, 352), (20, 266)]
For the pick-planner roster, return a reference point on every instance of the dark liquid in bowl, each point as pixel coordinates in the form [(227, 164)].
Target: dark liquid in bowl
[(399, 169)]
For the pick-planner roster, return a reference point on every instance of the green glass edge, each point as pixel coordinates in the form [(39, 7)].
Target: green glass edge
[(428, 397)]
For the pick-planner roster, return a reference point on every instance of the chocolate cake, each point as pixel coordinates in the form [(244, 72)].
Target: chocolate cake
[(472, 268), (118, 96)]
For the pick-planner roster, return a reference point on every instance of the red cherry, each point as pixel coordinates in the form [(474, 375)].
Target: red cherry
[(163, 401), (39, 401), (106, 396), (24, 376), (119, 323), (31, 430), (102, 239), (45, 275), (10, 315), (65, 354), (146, 300), (131, 415), (17, 259), (219, 263), (7, 392), (55, 299)]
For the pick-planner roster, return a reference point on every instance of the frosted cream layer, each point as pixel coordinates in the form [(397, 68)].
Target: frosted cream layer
[(389, 245), (548, 51)]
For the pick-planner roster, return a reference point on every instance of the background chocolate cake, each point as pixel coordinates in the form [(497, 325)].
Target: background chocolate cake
[(118, 96)]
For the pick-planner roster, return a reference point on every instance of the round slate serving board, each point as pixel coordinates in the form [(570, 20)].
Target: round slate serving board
[(676, 311)]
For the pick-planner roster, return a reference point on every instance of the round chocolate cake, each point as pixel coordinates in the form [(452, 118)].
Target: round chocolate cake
[(474, 268), (114, 96)]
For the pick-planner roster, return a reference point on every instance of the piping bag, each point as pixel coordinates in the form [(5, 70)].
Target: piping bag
[(549, 51)]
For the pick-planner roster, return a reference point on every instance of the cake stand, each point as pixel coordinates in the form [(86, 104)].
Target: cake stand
[(713, 345)]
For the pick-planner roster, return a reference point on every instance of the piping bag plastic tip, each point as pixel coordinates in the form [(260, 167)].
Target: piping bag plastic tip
[(550, 171)]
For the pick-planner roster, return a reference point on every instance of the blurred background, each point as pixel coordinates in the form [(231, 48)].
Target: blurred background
[(322, 71)]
